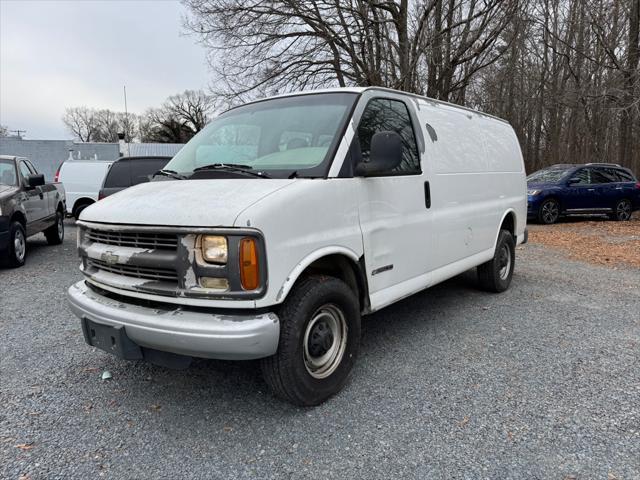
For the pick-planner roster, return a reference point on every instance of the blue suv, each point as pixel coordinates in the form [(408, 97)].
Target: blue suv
[(593, 188)]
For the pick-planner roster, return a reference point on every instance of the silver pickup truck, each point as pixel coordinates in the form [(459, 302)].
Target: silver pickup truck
[(28, 206)]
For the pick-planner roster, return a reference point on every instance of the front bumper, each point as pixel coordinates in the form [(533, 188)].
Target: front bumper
[(177, 330)]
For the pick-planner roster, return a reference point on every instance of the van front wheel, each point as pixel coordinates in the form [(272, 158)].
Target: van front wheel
[(495, 275), (319, 341)]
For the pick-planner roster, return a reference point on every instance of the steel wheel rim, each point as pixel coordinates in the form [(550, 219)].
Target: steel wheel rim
[(504, 261), (19, 245), (325, 341), (60, 227), (550, 212), (624, 210)]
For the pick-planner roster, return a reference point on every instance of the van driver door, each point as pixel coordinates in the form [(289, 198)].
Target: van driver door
[(393, 207)]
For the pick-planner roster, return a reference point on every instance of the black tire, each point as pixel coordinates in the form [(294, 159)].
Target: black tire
[(16, 253), (55, 233), (78, 210), (291, 372), (549, 212), (495, 275), (623, 211)]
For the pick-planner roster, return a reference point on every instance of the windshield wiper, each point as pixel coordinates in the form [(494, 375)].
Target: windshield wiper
[(233, 167), (170, 173)]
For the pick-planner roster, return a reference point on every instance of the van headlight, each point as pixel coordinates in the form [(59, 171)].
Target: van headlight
[(214, 249)]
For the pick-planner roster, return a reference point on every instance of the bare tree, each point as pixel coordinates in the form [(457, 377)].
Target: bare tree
[(160, 125), (108, 126), (4, 131), (91, 125), (433, 46), (192, 108), (81, 122), (178, 119)]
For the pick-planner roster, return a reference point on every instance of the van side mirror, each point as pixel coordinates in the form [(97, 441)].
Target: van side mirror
[(386, 154), (35, 180), (573, 181)]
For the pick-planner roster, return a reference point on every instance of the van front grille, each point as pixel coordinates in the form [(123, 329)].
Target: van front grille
[(159, 241), (147, 273)]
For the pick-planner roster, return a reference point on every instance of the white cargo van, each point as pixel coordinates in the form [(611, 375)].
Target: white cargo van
[(285, 220), (82, 180)]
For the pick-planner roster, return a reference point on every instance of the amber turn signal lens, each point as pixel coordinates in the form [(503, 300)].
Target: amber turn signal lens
[(249, 270)]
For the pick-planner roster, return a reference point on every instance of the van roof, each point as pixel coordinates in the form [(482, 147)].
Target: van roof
[(383, 89)]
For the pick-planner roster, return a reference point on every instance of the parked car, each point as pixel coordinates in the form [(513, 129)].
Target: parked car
[(284, 220), (28, 206), (592, 188), (82, 180), (129, 171)]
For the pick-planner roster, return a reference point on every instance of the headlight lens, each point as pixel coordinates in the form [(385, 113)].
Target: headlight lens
[(533, 192), (214, 249)]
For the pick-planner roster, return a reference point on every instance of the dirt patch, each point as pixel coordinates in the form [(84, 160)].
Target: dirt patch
[(593, 240)]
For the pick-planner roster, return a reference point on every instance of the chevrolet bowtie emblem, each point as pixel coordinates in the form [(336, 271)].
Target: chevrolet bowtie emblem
[(109, 258)]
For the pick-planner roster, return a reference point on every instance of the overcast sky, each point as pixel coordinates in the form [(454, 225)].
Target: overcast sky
[(56, 54)]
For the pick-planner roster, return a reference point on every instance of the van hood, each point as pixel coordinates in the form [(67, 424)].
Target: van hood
[(183, 203)]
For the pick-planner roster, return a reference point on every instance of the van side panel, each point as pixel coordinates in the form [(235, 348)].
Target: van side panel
[(476, 174)]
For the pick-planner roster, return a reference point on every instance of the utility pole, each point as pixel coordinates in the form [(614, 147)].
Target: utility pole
[(126, 117)]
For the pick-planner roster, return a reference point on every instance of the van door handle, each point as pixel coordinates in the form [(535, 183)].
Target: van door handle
[(427, 195)]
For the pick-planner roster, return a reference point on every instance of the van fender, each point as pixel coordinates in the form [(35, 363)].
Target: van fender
[(302, 265), (515, 227)]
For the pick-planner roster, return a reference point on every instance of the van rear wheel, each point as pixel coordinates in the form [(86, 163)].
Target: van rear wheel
[(495, 275), (319, 341)]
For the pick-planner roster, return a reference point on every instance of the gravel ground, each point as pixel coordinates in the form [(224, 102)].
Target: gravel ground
[(541, 382)]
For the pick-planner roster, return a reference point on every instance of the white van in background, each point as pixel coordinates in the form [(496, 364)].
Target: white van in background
[(82, 180), (285, 220)]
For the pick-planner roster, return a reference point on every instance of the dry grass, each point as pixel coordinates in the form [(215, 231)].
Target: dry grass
[(592, 240)]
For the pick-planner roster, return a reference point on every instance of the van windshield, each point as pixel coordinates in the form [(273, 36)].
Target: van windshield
[(280, 137)]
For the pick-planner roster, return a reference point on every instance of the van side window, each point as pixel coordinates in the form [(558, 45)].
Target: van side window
[(382, 114)]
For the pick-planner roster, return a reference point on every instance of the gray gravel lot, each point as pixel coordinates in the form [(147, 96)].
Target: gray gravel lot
[(542, 381)]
